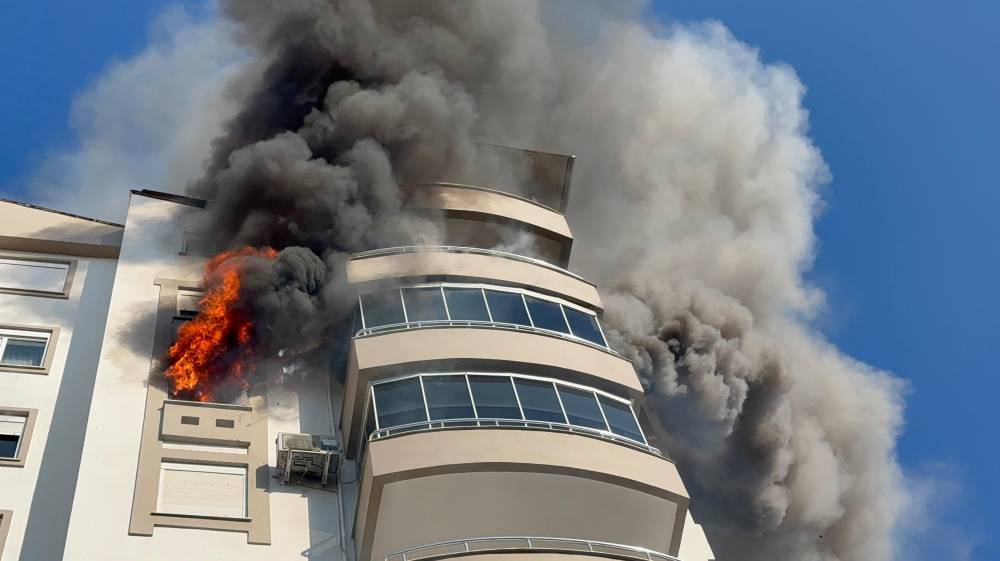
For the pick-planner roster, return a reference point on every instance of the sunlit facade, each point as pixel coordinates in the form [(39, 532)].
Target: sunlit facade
[(478, 411)]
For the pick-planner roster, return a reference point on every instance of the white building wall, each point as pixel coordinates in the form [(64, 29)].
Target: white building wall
[(40, 493), (304, 522)]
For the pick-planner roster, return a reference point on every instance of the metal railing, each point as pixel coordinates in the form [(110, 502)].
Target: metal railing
[(526, 543), (470, 250), (439, 323), (480, 423), (488, 190)]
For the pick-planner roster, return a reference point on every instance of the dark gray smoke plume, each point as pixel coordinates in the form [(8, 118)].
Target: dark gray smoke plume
[(694, 196)]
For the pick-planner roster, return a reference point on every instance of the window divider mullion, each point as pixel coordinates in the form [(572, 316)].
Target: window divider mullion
[(371, 390), (447, 311), (561, 406), (423, 393), (517, 396), (600, 407), (489, 313), (562, 310), (402, 302), (472, 400), (524, 301)]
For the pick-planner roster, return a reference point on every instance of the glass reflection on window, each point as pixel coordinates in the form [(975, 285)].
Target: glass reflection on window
[(424, 304), (507, 307), (382, 308), (399, 403), (466, 304), (448, 397)]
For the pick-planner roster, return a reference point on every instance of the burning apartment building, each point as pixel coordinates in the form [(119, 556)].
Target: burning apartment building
[(353, 331), (467, 405)]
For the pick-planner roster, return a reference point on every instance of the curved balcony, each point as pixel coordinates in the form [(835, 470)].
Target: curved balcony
[(482, 205), (462, 263), (438, 486), (496, 348), (511, 546), (481, 423)]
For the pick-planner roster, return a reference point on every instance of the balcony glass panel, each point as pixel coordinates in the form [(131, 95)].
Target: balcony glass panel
[(382, 308), (507, 307), (494, 397), (466, 304), (584, 326), (424, 304), (582, 408), (457, 400), (546, 314), (539, 401), (448, 397), (620, 418), (399, 403)]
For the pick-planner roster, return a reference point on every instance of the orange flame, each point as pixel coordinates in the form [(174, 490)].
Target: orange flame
[(216, 346)]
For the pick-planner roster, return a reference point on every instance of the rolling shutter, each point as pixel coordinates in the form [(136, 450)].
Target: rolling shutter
[(202, 490)]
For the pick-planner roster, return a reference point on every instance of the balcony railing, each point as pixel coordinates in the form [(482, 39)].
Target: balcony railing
[(528, 200), (526, 544), (469, 250), (440, 323), (480, 423)]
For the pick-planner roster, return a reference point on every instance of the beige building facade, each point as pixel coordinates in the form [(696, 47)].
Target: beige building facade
[(479, 412)]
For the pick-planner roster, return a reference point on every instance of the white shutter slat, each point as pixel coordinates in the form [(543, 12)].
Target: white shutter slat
[(191, 490)]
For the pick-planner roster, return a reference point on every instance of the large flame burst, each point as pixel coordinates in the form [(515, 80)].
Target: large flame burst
[(216, 347)]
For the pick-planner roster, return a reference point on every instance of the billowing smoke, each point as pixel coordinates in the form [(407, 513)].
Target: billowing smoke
[(694, 196)]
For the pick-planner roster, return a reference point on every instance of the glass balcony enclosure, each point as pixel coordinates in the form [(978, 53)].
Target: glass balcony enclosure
[(429, 401), (470, 304)]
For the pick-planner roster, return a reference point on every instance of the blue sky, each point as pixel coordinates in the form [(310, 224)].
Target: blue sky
[(903, 99)]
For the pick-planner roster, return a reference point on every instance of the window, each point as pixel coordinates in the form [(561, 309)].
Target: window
[(539, 401), (40, 277), (4, 527), (466, 304), (584, 326), (15, 434), (188, 302), (582, 408), (621, 419), (448, 397), (401, 308), (382, 308), (494, 397), (507, 307), (11, 432), (24, 349), (424, 304), (546, 314), (399, 403), (199, 244), (202, 490)]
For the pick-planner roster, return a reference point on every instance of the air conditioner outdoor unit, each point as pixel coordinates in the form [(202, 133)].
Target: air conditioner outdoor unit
[(307, 454)]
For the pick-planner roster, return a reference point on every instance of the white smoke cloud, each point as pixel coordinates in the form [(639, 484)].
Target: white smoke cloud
[(147, 121)]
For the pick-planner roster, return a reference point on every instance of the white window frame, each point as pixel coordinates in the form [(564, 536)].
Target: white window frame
[(69, 264), (241, 470), (21, 454), (483, 287), (48, 334), (557, 383), (23, 420)]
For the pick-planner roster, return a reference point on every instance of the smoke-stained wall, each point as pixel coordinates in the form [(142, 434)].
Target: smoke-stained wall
[(695, 192)]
